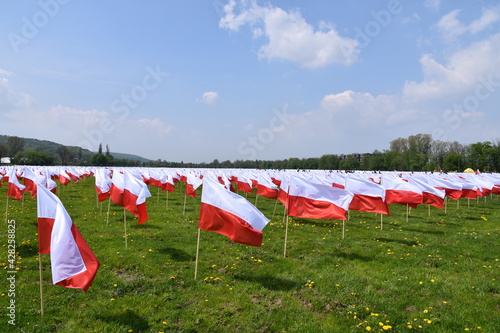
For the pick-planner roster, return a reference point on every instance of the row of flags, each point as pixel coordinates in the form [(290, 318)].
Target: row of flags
[(314, 194)]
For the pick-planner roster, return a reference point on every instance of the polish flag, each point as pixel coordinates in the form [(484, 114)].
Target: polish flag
[(402, 192), (368, 196), (266, 187), (244, 184), (64, 178), (453, 189), (15, 189), (29, 181), (231, 215), (117, 187), (134, 196), (192, 183), (317, 201), (283, 191), (102, 184), (73, 263), (169, 184), (431, 195)]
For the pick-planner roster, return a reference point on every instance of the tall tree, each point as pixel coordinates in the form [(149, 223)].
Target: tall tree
[(66, 154), (15, 144)]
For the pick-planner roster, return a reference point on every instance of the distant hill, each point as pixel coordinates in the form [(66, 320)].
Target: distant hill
[(122, 156), (52, 148)]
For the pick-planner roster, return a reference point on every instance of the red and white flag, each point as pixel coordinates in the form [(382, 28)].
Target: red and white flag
[(15, 189), (368, 196), (134, 196), (431, 195), (243, 183), (453, 189), (102, 183), (317, 201), (73, 263), (64, 178), (29, 181), (402, 192), (266, 187), (192, 183), (231, 215), (117, 187)]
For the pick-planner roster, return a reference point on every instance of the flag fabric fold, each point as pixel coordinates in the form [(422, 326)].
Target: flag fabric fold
[(231, 215), (368, 196), (73, 263), (134, 196), (317, 201)]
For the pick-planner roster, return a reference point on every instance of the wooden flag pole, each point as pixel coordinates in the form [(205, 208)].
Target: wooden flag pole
[(158, 196), (107, 215), (381, 221), (275, 204), (41, 284), (7, 210), (445, 204), (184, 210), (286, 235), (429, 209), (343, 229), (125, 227), (256, 197), (407, 212), (197, 255)]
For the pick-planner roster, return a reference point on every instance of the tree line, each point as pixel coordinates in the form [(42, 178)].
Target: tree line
[(415, 153)]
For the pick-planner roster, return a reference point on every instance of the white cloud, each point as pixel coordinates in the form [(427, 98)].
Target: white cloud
[(289, 36), (209, 97), (461, 74), (4, 72), (452, 27), (433, 5), (155, 124), (9, 98)]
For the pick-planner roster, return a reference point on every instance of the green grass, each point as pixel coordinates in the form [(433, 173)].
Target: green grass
[(437, 274)]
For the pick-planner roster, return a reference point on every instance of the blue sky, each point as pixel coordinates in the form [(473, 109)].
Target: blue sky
[(231, 79)]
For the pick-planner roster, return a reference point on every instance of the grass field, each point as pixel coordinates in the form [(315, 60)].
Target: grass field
[(427, 274)]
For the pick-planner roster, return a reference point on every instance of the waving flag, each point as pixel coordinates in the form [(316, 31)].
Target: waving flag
[(368, 196), (15, 189), (102, 184), (231, 215), (266, 187), (134, 196), (317, 201), (402, 192), (73, 263)]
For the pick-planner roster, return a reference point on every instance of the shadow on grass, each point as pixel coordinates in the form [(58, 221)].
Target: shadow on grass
[(177, 254), (127, 318), (425, 231), (404, 242), (145, 225), (270, 282), (351, 256), (27, 250)]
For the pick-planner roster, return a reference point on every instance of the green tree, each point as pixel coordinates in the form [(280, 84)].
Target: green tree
[(15, 144), (34, 157), (66, 154), (4, 151), (328, 162)]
